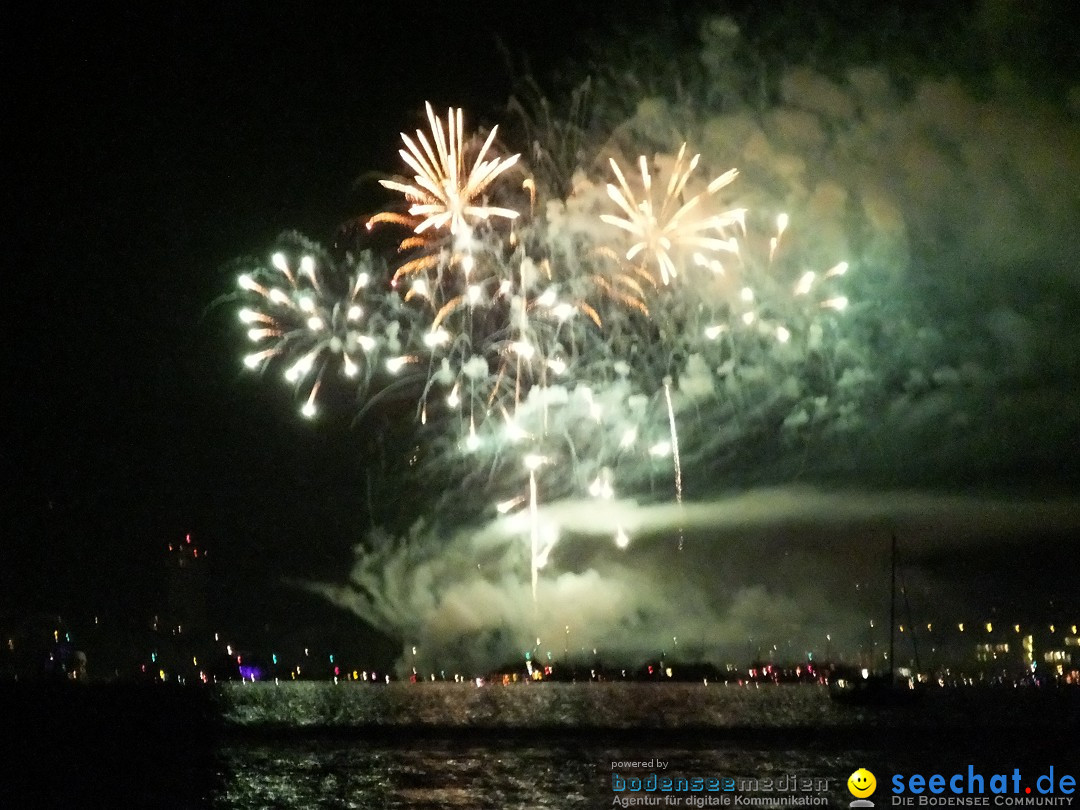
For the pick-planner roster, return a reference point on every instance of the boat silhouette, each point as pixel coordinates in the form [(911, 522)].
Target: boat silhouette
[(879, 689)]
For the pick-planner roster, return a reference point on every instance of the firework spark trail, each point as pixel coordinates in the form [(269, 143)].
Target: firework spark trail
[(539, 547), (534, 527), (674, 454)]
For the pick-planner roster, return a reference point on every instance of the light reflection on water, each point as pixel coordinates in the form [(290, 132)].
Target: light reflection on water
[(448, 774), (553, 746)]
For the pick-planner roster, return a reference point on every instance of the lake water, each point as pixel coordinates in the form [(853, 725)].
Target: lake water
[(550, 746)]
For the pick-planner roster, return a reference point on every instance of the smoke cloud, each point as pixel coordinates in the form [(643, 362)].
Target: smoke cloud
[(776, 573)]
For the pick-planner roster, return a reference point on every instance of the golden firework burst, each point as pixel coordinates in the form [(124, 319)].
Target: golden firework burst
[(443, 193), (661, 229)]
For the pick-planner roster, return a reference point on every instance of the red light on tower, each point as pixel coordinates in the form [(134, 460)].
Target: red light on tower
[(188, 538)]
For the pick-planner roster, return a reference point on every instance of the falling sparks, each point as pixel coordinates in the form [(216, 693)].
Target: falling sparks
[(674, 454), (757, 302), (538, 551)]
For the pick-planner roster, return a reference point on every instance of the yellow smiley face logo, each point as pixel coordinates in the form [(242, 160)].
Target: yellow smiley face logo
[(861, 783)]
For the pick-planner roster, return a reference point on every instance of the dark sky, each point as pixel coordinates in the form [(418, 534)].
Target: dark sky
[(147, 149)]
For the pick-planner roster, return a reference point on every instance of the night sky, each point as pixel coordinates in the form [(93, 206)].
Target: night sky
[(148, 150)]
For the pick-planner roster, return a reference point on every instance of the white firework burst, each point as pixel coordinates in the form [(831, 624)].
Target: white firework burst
[(309, 314)]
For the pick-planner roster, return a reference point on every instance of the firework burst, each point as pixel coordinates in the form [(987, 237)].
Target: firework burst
[(311, 314), (660, 230), (443, 193), (547, 363)]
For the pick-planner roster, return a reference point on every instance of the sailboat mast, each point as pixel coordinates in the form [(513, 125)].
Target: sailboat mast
[(892, 607)]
